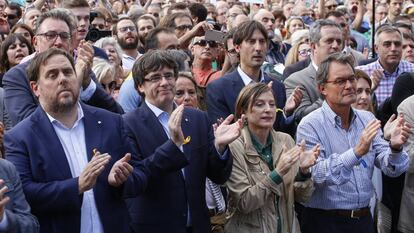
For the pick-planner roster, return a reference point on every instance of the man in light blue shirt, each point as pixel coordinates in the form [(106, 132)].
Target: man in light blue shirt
[(351, 145)]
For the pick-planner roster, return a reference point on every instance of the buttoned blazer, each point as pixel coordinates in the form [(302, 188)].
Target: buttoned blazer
[(162, 207)]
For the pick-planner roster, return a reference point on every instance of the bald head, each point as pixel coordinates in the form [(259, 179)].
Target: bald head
[(267, 19)]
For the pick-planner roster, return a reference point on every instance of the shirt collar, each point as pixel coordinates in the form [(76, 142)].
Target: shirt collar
[(333, 117), (157, 111), (246, 79), (386, 74), (314, 65), (58, 123)]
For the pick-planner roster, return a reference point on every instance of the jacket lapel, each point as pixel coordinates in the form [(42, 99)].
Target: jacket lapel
[(93, 130), (44, 129)]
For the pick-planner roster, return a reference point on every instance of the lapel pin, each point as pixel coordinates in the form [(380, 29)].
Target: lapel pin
[(99, 122), (187, 140), (186, 119)]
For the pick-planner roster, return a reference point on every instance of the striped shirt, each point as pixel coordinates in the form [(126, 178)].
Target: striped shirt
[(384, 88), (342, 181)]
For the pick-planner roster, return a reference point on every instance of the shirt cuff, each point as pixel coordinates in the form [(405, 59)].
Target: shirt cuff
[(225, 154), (88, 92), (4, 222), (275, 177), (349, 159)]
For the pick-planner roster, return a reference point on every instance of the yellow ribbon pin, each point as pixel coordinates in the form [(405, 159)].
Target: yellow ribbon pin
[(187, 140), (279, 110)]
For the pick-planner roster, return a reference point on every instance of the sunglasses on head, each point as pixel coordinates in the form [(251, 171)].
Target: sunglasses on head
[(203, 43)]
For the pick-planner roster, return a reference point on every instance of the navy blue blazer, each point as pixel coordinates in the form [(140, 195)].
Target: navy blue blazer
[(34, 148), (17, 210), (223, 92), (162, 207), (20, 101)]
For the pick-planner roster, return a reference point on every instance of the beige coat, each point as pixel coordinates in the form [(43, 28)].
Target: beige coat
[(406, 221), (252, 193)]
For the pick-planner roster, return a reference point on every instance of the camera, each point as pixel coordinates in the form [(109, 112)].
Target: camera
[(93, 33), (96, 34)]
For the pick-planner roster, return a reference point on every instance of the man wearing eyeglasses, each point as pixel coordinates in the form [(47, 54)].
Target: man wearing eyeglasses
[(175, 200), (204, 52), (351, 145), (54, 30), (126, 33)]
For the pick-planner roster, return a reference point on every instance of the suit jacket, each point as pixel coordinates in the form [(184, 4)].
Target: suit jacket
[(162, 207), (34, 148), (311, 97), (21, 102), (406, 224), (17, 210), (298, 66), (223, 92)]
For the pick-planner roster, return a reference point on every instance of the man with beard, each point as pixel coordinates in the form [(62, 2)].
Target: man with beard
[(145, 23), (251, 42), (126, 33), (70, 186), (54, 29), (274, 54)]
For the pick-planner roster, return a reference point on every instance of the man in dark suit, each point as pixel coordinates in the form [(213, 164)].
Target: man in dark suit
[(69, 184), (54, 30), (15, 216), (251, 42), (175, 201)]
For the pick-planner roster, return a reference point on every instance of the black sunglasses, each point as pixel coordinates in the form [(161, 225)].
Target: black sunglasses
[(203, 43), (111, 85)]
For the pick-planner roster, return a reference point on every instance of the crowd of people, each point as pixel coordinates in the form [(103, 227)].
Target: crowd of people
[(283, 116)]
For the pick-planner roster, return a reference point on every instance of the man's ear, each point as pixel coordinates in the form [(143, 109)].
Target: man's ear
[(35, 88), (34, 42), (237, 47), (322, 89)]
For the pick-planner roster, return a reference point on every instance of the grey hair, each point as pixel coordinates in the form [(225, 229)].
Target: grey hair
[(101, 67), (101, 43), (315, 29), (323, 69), (386, 28), (58, 14)]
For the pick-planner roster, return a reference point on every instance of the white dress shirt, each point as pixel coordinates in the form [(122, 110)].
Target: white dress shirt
[(74, 145)]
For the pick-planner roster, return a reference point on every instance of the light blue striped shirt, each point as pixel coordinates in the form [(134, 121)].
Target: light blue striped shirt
[(342, 181)]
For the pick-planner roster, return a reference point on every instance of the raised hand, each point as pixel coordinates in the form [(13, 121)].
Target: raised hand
[(389, 126), (308, 158), (376, 77), (400, 133), (120, 171), (287, 159), (3, 199), (293, 101), (84, 60), (225, 133), (366, 138), (174, 126), (93, 169)]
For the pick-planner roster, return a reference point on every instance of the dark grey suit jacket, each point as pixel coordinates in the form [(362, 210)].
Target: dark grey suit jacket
[(311, 97), (20, 220)]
